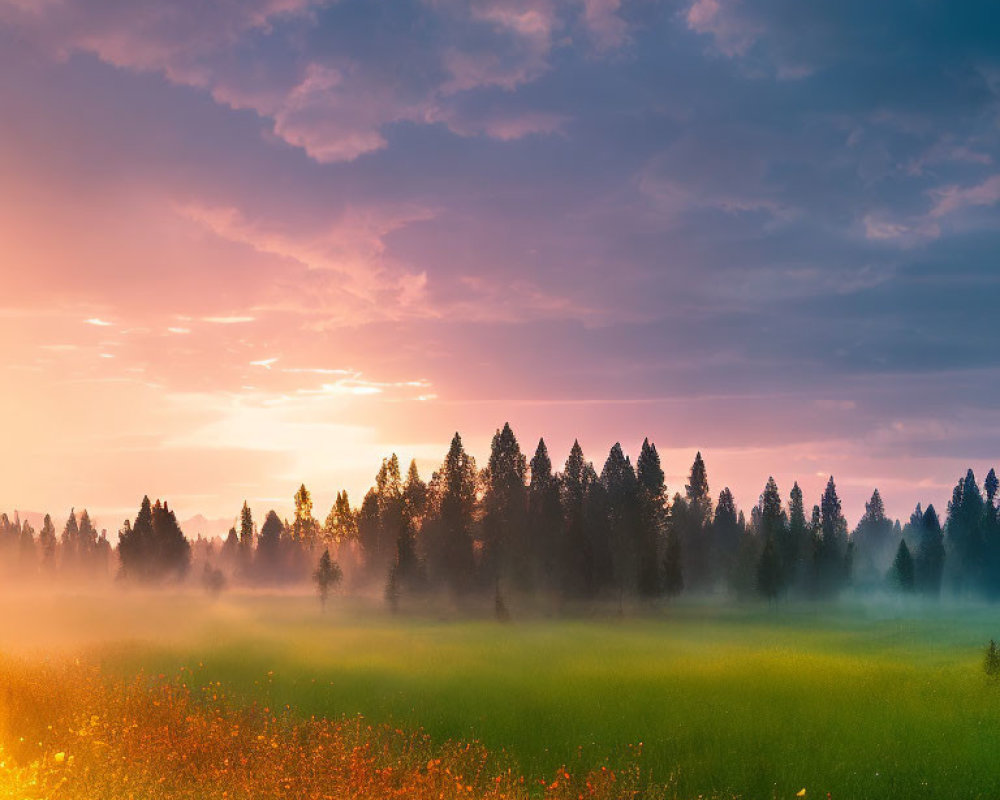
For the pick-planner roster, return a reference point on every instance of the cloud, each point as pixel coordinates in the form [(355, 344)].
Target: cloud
[(950, 199), (608, 30), (351, 246), (918, 231), (732, 34), (330, 101)]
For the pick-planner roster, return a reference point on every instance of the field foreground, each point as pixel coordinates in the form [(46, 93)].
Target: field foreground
[(857, 701)]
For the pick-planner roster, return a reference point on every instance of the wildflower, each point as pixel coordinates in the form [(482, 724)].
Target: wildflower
[(801, 793)]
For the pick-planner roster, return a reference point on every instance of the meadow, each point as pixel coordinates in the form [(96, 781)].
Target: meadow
[(858, 700)]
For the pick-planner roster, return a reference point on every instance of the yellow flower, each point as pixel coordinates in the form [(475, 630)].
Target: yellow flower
[(800, 793), (59, 757)]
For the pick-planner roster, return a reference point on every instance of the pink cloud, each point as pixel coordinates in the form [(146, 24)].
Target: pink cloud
[(606, 27), (949, 199), (733, 35)]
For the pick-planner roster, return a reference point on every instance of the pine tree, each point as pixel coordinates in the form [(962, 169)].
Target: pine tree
[(652, 520), (695, 532), (389, 494), (505, 514), (305, 528), (623, 515), (544, 519), (267, 563), (929, 566), (451, 549), (965, 534), (832, 557), (773, 526), (69, 543), (799, 538), (726, 532), (902, 573), (373, 550), (874, 543), (326, 576), (990, 485), (577, 561), (47, 545), (86, 542)]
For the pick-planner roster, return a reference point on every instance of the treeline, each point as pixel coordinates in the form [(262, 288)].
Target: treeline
[(518, 528)]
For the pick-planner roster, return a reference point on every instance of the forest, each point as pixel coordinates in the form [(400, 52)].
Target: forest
[(517, 528)]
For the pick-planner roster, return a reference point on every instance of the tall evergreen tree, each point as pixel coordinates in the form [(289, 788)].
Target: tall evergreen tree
[(673, 556), (832, 555), (305, 528), (389, 492), (625, 501), (326, 576), (929, 566), (874, 542), (375, 552), (799, 539), (267, 559), (695, 529), (69, 543), (505, 514), (652, 520), (451, 549), (545, 519), (577, 562), (154, 548), (407, 572), (47, 545), (902, 572), (964, 532), (726, 532), (86, 542)]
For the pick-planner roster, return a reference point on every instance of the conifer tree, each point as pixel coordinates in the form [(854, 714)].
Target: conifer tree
[(832, 557), (695, 529), (929, 563), (726, 532), (47, 545), (267, 559), (965, 534), (374, 551), (69, 543), (451, 549), (326, 576), (902, 573), (773, 527), (545, 523), (625, 501), (577, 559), (305, 528), (874, 541), (505, 514), (407, 572), (652, 520)]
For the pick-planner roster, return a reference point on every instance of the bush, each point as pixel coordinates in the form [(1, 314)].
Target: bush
[(991, 663)]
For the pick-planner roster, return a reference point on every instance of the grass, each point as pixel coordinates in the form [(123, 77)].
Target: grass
[(856, 701)]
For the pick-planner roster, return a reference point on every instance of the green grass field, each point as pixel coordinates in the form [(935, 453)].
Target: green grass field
[(761, 702)]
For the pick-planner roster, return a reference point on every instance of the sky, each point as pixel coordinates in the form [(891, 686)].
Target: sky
[(248, 244)]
